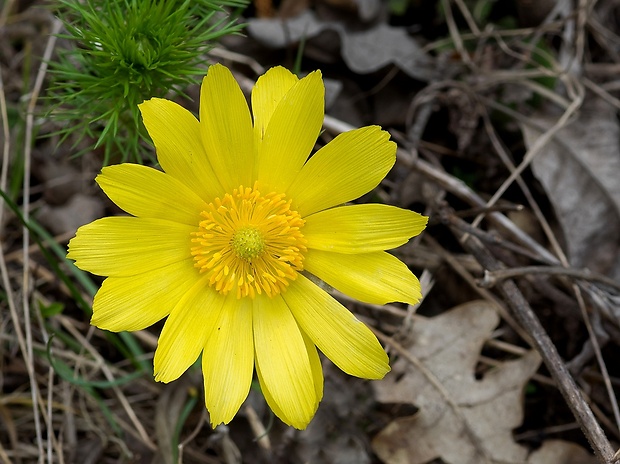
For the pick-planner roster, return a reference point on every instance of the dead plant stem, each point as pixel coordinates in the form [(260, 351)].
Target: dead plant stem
[(6, 147), (505, 157), (471, 23), (107, 372), (466, 275), (491, 278), (455, 34)]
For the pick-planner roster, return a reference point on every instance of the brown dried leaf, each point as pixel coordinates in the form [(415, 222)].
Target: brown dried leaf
[(471, 422), (579, 170)]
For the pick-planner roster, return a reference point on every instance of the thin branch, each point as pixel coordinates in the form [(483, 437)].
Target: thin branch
[(491, 278), (599, 355)]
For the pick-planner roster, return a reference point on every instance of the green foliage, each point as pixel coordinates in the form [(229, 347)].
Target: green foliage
[(51, 309), (543, 57), (185, 412), (398, 7), (482, 10), (124, 52)]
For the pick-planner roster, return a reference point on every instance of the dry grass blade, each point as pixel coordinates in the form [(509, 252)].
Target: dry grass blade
[(28, 353), (125, 403), (537, 147)]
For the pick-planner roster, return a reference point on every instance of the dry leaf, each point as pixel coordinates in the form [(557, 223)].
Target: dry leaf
[(579, 170), (561, 452), (470, 421), (363, 52)]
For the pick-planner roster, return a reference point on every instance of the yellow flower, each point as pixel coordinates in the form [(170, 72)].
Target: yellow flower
[(224, 242)]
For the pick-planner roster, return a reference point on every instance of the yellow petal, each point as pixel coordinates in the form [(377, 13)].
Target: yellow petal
[(291, 133), (283, 359), (226, 127), (186, 330), (266, 95), (273, 405), (137, 302), (176, 134), (338, 333), (125, 246), (317, 369), (228, 361), (345, 169), (147, 192), (376, 278), (317, 374), (362, 228)]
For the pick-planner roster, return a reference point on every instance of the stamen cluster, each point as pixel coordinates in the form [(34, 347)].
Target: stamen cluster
[(250, 243)]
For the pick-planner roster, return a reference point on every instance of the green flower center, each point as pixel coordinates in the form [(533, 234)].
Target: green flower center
[(248, 243)]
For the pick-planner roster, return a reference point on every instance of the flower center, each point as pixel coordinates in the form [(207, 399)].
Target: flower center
[(249, 243)]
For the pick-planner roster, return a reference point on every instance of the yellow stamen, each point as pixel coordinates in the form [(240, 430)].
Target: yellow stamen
[(250, 243)]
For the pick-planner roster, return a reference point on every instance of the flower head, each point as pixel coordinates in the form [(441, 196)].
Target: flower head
[(223, 242)]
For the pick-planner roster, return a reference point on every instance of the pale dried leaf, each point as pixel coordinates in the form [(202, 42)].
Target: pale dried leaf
[(449, 346), (561, 452), (278, 33), (363, 52), (368, 9), (371, 50), (579, 171)]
